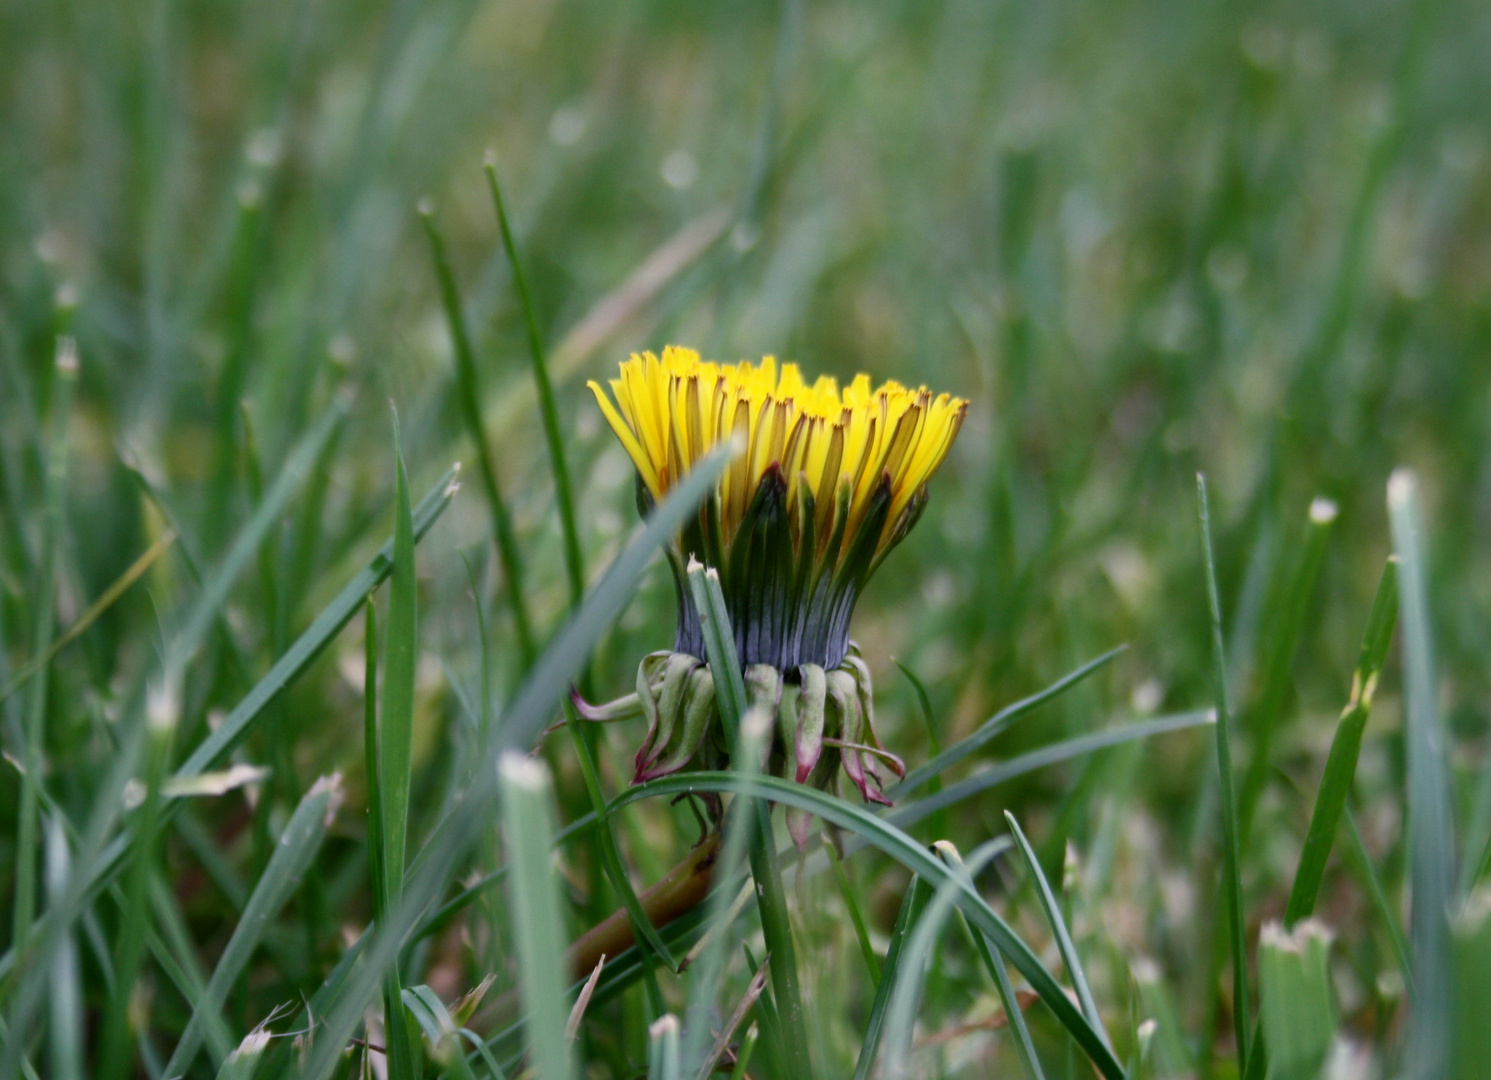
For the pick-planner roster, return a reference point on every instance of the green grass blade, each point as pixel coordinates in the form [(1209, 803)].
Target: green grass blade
[(440, 1029), (1266, 716), (1294, 993), (395, 732), (998, 723), (664, 1061), (912, 905), (1058, 926), (538, 933), (65, 379), (574, 562), (1430, 831), (1379, 901), (469, 387), (771, 898), (1340, 765), (881, 834), (522, 721), (901, 1016), (106, 600), (994, 964), (1470, 945), (309, 644), (906, 815), (64, 984), (856, 914), (739, 828), (1231, 841), (938, 827), (292, 857)]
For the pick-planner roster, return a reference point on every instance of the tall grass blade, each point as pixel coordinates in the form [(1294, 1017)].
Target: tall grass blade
[(574, 562), (1266, 716), (322, 630), (771, 898), (538, 933), (469, 386), (1340, 765), (1064, 941), (1430, 831), (106, 600), (44, 604), (1470, 946), (664, 1062), (395, 731), (998, 724), (881, 834), (994, 964), (64, 981), (1231, 841), (522, 721), (739, 827), (918, 892), (901, 1017), (908, 814), (1294, 992), (293, 854)]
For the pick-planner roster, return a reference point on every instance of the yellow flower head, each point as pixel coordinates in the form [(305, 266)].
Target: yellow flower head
[(829, 482)]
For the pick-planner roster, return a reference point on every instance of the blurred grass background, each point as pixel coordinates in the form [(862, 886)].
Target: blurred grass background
[(1145, 239)]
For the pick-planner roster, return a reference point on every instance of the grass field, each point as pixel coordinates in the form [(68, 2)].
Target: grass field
[(270, 671)]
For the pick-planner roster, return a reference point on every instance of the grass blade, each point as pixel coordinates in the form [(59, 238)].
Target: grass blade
[(1231, 842), (912, 905), (65, 1024), (739, 829), (994, 964), (881, 834), (293, 855), (508, 552), (663, 1059), (395, 747), (910, 813), (998, 723), (1294, 993), (574, 562), (522, 721), (106, 600), (1470, 944), (856, 915), (1266, 715), (322, 630), (901, 1016), (771, 898), (537, 932), (65, 374), (1058, 926), (1430, 831), (1340, 765)]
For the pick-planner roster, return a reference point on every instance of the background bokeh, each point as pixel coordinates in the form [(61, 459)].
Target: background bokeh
[(1145, 239)]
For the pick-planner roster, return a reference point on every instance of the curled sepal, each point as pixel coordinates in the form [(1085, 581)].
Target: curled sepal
[(698, 711), (623, 708), (844, 695), (667, 688), (875, 751), (808, 736)]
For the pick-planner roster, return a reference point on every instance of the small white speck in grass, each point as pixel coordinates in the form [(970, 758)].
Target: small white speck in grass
[(1401, 486), (662, 1026), (67, 354), (66, 296), (162, 705), (264, 148), (250, 194), (342, 350), (1323, 511), (567, 125), (679, 169), (425, 206), (522, 771)]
